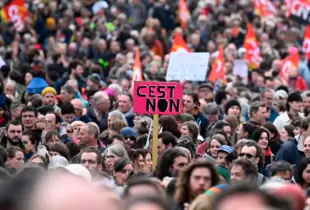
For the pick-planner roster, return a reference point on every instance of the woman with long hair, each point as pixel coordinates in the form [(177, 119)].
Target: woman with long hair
[(275, 142), (169, 123), (262, 137), (302, 173)]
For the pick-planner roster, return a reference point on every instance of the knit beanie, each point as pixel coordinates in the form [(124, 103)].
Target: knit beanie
[(49, 90), (230, 104)]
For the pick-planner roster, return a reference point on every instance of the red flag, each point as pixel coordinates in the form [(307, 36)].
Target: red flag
[(306, 42), (290, 62), (218, 68), (179, 43), (16, 12), (184, 14), (265, 8), (252, 48), (137, 70)]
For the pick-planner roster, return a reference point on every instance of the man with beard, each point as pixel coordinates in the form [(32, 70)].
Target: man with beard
[(75, 71), (12, 135), (196, 178)]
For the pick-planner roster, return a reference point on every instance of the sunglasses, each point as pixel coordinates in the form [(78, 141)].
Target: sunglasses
[(132, 138), (246, 154)]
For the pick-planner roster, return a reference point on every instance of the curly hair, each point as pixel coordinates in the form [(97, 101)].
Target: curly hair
[(182, 193)]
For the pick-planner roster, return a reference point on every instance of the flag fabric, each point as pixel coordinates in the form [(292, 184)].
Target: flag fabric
[(306, 42), (290, 62), (265, 8), (137, 69), (252, 48), (218, 68), (179, 44), (184, 14), (15, 12)]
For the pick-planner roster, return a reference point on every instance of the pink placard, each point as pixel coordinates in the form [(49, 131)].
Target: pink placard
[(158, 98)]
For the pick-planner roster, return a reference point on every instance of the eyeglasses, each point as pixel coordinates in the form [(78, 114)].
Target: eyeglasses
[(132, 138), (246, 154)]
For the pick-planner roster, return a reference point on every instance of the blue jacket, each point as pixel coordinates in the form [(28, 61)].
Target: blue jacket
[(304, 72), (274, 114), (289, 152)]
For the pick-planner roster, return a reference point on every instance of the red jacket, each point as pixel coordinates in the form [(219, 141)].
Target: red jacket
[(300, 84)]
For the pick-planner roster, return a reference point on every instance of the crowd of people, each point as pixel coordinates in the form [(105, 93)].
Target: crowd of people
[(69, 136)]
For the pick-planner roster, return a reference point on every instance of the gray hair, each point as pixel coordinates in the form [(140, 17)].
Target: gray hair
[(99, 97), (118, 115), (118, 150), (10, 82), (116, 87)]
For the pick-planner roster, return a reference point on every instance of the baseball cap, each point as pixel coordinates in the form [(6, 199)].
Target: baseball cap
[(281, 94), (226, 148)]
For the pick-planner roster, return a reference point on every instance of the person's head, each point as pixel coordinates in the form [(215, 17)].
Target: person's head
[(53, 121), (247, 196), (190, 102), (302, 173), (222, 155), (13, 132), (296, 122), (114, 139), (124, 102), (67, 93), (52, 137), (190, 129), (31, 140), (262, 137), (268, 96), (101, 102), (274, 133), (245, 130), (151, 202), (251, 151), (67, 112), (232, 107), (258, 112), (49, 96), (212, 112), (112, 154), (16, 109), (76, 125), (35, 100), (221, 97), (90, 158), (140, 186), (138, 158), (10, 87), (171, 163), (166, 140), (88, 135), (224, 126), (187, 143), (29, 116), (307, 147), (287, 132), (78, 107), (115, 127), (76, 69), (243, 170), (281, 169), (59, 149), (116, 115), (130, 137), (169, 123), (122, 170), (196, 178), (294, 102), (216, 141), (39, 160), (16, 157), (205, 91), (68, 127)]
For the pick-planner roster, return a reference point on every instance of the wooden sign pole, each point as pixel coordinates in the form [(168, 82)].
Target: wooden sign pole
[(155, 141)]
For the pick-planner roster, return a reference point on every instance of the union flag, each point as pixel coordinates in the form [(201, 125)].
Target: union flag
[(218, 68), (252, 48), (179, 44)]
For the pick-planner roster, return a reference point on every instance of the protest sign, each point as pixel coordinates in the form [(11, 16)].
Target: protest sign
[(187, 66), (300, 11), (157, 98), (241, 68)]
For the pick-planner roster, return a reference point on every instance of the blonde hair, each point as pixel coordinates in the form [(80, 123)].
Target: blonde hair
[(202, 202)]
